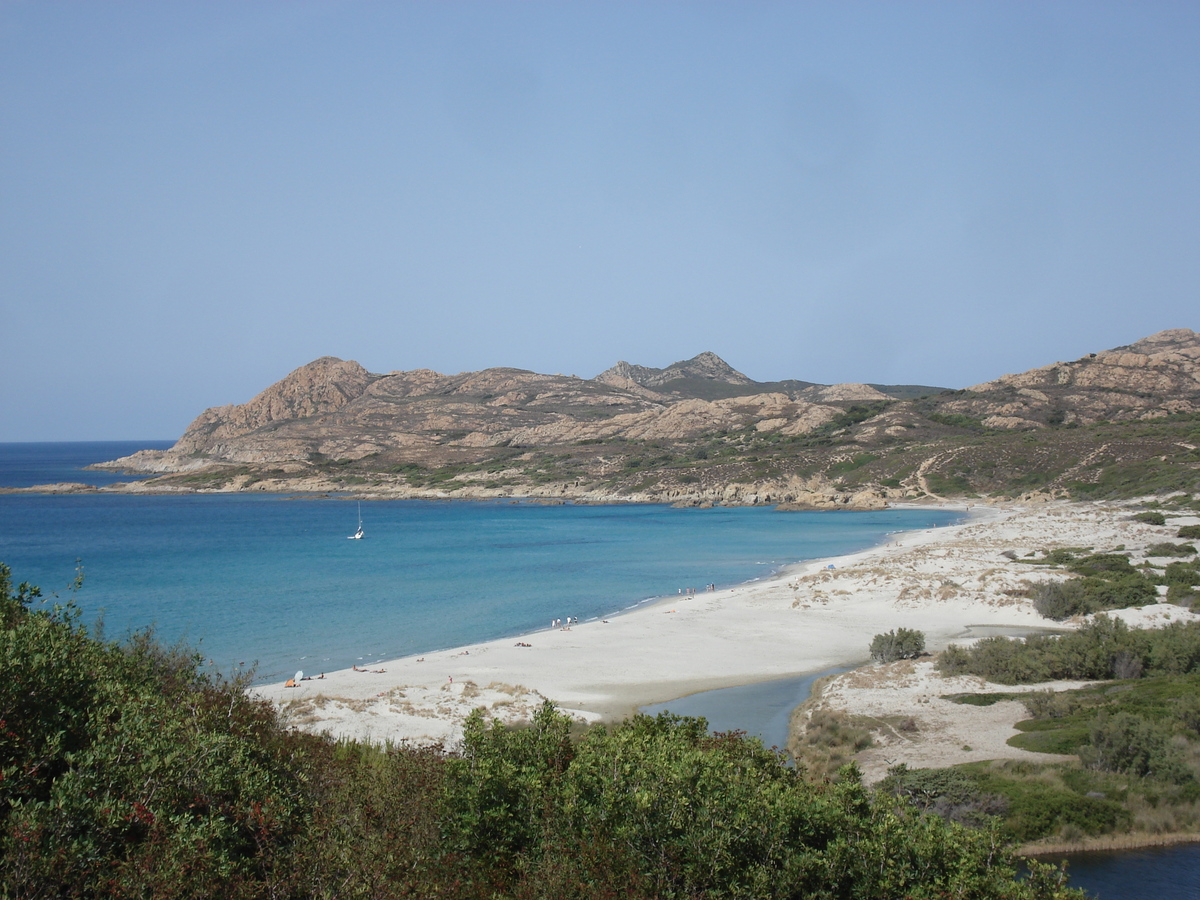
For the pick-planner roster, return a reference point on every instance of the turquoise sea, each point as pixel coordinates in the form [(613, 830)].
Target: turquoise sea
[(273, 580)]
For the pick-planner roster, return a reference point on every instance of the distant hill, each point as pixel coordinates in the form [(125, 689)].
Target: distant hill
[(708, 377), (697, 431), (704, 367)]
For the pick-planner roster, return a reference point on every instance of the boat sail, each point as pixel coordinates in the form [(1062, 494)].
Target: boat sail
[(359, 534)]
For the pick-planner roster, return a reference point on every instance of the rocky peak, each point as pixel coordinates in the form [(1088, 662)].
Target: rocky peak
[(706, 365), (1173, 356), (322, 386), (1177, 348)]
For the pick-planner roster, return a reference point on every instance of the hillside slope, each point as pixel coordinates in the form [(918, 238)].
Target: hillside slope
[(699, 431)]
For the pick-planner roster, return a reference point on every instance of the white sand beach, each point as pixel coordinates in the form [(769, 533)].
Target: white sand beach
[(952, 583)]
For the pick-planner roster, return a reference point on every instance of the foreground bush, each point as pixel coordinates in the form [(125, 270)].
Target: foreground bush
[(126, 771)]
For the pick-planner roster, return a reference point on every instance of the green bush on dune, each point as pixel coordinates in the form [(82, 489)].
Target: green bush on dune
[(1101, 649), (902, 643)]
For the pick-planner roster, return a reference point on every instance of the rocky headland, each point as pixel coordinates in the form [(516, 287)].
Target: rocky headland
[(700, 432)]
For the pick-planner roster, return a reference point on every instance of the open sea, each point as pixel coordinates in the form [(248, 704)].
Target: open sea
[(271, 581)]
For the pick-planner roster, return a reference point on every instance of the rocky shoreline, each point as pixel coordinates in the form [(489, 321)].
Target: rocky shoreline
[(787, 496)]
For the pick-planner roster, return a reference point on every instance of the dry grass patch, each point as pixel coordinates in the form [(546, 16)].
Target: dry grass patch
[(827, 739)]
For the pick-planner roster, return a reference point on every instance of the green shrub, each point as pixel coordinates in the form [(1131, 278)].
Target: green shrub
[(1100, 649), (903, 643), (1166, 548), (1108, 581), (1187, 573), (1056, 599), (1050, 704), (1151, 517), (949, 793), (1189, 531), (1106, 565), (124, 769), (1037, 810), (1133, 745)]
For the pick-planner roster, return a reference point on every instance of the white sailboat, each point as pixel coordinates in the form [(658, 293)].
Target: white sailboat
[(358, 535)]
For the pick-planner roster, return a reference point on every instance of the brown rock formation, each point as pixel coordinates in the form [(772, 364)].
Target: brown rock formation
[(1153, 377), (695, 432)]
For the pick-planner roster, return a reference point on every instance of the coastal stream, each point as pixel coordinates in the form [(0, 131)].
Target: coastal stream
[(762, 710)]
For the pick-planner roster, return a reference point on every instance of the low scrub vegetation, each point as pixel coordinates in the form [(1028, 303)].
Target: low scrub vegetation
[(902, 643), (1166, 548), (1137, 739), (828, 741), (1104, 581), (1099, 650), (1026, 802)]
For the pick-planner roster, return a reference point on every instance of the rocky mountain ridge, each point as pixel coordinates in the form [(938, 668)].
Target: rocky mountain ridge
[(332, 425), (706, 365)]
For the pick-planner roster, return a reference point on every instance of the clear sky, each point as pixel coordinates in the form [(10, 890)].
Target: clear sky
[(198, 197)]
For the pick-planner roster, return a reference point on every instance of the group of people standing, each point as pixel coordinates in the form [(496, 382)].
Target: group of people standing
[(564, 624)]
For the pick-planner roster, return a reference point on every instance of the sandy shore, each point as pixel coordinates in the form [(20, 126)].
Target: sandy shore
[(952, 583)]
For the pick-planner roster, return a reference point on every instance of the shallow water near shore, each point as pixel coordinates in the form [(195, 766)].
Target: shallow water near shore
[(762, 710)]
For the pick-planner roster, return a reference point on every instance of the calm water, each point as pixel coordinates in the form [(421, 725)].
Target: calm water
[(273, 579), (30, 464), (761, 710), (1157, 873)]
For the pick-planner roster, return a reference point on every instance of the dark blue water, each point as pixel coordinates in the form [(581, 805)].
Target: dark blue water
[(34, 463), (1156, 873)]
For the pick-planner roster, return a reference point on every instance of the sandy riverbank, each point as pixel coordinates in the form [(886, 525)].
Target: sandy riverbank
[(809, 618)]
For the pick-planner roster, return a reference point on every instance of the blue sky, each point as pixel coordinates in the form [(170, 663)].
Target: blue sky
[(198, 197)]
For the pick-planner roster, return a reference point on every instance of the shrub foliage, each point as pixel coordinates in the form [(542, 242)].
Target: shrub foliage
[(903, 643), (1100, 649)]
